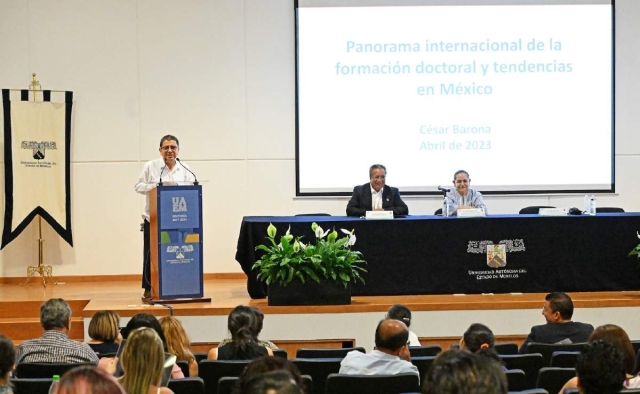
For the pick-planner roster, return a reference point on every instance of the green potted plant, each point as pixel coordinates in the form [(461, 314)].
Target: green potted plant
[(317, 273), (636, 251)]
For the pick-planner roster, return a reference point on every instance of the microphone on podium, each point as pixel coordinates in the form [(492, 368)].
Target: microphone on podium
[(195, 178), (444, 189), (161, 171)]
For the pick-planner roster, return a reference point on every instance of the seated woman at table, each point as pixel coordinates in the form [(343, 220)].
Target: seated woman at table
[(242, 325), (463, 196), (376, 196)]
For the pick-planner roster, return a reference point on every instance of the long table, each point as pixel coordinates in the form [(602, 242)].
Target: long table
[(447, 255)]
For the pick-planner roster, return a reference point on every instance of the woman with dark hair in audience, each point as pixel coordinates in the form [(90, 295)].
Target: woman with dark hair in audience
[(274, 382), (88, 379), (7, 363), (267, 364), (479, 339), (616, 336), (150, 321), (402, 313), (178, 342), (242, 325), (259, 323), (104, 330), (143, 363)]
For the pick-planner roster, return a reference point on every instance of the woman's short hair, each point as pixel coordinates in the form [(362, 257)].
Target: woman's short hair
[(88, 379), (7, 356), (104, 326), (142, 361), (616, 336)]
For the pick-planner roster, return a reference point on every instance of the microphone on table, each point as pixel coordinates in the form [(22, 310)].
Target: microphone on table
[(444, 189), (161, 171), (195, 178)]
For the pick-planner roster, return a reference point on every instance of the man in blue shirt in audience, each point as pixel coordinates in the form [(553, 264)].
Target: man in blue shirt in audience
[(390, 356)]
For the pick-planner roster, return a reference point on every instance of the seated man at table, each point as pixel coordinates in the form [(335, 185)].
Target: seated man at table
[(376, 196), (558, 310), (391, 355), (463, 196)]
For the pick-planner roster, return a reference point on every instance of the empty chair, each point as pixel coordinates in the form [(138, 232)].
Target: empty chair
[(425, 351), (184, 366), (516, 380), (44, 370), (552, 379), (532, 210), (31, 385), (200, 356), (547, 349), (564, 359), (212, 370), (506, 348), (193, 385), (280, 353), (423, 364), (326, 352), (609, 210), (529, 363), (319, 369), (372, 384)]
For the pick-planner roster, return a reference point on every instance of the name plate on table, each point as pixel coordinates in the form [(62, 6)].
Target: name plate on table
[(471, 213), (552, 212), (379, 215)]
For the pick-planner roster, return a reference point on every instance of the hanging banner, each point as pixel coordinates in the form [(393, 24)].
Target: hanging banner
[(37, 161)]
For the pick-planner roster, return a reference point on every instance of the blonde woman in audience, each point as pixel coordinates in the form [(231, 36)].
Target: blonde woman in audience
[(143, 363), (88, 380), (616, 336), (104, 330), (178, 342)]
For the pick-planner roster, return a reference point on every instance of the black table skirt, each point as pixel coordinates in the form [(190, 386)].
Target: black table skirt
[(437, 255)]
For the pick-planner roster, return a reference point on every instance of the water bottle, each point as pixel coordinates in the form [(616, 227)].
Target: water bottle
[(587, 204), (592, 205), (56, 378), (446, 207)]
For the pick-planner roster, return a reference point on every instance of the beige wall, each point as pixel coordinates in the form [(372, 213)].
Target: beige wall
[(220, 76)]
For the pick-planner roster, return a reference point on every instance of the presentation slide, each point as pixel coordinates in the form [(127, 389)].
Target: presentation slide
[(519, 95)]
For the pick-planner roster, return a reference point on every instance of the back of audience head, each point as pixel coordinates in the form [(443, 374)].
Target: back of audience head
[(88, 380), (391, 334), (400, 312), (479, 339), (616, 336), (142, 361), (600, 369), (458, 371), (145, 320), (105, 326), (259, 320), (273, 382), (178, 342), (242, 325), (561, 303), (267, 364), (55, 314), (7, 356)]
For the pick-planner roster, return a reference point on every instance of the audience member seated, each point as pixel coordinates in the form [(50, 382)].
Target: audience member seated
[(402, 313), (391, 355), (150, 321), (376, 196), (143, 363), (243, 326), (558, 310), (178, 342), (54, 346), (616, 336), (479, 339), (459, 371), (600, 369), (274, 382), (259, 324), (88, 380), (7, 361), (267, 364), (462, 196), (104, 330)]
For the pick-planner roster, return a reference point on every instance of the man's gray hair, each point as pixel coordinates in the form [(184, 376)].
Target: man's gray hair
[(54, 313)]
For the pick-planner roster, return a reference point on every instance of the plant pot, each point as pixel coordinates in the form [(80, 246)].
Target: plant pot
[(309, 293)]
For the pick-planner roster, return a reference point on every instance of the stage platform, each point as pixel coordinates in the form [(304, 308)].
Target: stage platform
[(436, 318)]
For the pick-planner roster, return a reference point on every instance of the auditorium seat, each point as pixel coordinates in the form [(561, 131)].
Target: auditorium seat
[(423, 364), (562, 359), (532, 210), (212, 370), (609, 210), (553, 379), (547, 349), (516, 380), (372, 384), (184, 366), (529, 363), (200, 356), (326, 352), (282, 353), (187, 386), (506, 348), (424, 351), (44, 370), (438, 212), (31, 385), (319, 369)]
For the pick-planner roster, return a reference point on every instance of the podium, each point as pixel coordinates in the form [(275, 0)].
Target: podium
[(175, 214)]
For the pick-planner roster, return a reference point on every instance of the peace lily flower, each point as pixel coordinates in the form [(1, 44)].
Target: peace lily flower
[(288, 236), (352, 236), (333, 236), (296, 246), (319, 232), (271, 231), (636, 251)]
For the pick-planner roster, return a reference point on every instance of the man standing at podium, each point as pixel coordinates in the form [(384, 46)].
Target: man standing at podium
[(170, 171)]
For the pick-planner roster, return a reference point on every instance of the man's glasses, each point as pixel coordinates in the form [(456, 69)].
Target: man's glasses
[(169, 147)]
